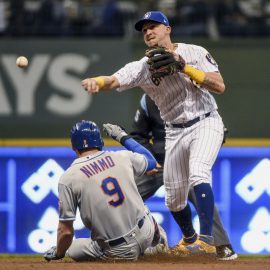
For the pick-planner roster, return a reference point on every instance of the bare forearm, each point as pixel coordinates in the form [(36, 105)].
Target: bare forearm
[(106, 82), (95, 84), (63, 244), (64, 239), (214, 82)]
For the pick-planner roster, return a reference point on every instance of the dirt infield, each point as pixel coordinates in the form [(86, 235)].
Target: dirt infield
[(162, 262)]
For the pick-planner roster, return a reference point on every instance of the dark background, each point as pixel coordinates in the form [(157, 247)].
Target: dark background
[(243, 64)]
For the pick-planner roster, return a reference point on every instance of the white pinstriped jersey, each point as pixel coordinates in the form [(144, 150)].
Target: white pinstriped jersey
[(177, 96), (103, 187)]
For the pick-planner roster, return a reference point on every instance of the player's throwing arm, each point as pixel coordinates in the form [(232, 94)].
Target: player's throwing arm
[(95, 84)]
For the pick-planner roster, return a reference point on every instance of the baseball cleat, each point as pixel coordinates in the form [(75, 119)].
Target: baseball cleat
[(202, 246), (180, 249), (226, 253)]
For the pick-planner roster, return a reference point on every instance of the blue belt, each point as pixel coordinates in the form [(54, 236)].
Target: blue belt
[(189, 123), (120, 240)]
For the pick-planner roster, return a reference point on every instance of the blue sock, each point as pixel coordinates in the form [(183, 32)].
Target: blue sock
[(184, 219), (205, 207)]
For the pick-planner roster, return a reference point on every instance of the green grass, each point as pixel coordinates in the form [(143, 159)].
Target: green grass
[(7, 256), (254, 256)]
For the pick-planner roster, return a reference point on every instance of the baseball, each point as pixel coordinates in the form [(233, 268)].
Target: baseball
[(22, 62)]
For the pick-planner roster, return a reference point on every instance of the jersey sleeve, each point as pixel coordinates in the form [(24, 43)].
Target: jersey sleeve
[(131, 74), (207, 62), (67, 203), (138, 162)]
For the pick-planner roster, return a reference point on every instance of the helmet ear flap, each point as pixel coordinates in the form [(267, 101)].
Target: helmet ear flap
[(86, 135)]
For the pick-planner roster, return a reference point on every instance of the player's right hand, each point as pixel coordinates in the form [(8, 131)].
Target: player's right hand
[(155, 170), (51, 254), (152, 172), (90, 85)]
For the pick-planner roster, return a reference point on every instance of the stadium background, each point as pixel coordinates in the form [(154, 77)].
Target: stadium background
[(38, 105)]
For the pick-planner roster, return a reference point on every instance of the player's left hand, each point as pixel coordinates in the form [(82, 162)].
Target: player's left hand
[(51, 254), (164, 62), (114, 131)]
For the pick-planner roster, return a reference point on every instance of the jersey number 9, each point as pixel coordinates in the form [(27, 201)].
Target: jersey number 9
[(111, 187)]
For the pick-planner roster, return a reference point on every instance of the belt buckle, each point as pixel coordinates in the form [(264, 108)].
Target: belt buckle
[(202, 117), (184, 124)]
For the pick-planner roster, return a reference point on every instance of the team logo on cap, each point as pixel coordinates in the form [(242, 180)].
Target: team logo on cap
[(147, 15), (85, 144)]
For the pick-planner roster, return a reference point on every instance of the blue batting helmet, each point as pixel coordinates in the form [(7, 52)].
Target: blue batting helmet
[(84, 135)]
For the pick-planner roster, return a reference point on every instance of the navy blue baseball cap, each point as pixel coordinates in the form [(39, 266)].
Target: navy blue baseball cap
[(151, 16)]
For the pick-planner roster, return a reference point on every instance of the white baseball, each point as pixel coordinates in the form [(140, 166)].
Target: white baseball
[(22, 62)]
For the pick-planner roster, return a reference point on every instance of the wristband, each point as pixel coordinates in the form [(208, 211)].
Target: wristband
[(194, 74), (124, 138), (100, 81)]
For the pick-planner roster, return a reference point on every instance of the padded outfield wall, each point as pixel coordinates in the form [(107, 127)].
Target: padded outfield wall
[(44, 100)]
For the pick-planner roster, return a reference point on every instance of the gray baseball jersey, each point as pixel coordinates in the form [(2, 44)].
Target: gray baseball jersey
[(103, 187), (190, 152)]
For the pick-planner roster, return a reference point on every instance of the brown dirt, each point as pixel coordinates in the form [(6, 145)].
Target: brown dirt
[(154, 263)]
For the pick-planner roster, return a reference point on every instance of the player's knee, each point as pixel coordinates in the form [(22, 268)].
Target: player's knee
[(173, 207), (198, 181), (75, 251), (72, 253), (200, 173), (198, 178)]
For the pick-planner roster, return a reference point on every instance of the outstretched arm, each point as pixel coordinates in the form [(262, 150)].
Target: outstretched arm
[(95, 84), (118, 134)]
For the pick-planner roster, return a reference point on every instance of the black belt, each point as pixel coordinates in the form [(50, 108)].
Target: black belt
[(189, 123), (121, 240)]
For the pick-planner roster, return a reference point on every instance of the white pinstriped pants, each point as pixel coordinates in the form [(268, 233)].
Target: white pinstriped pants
[(190, 155)]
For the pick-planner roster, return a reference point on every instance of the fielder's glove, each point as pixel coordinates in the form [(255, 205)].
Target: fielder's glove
[(162, 63), (115, 132), (51, 255)]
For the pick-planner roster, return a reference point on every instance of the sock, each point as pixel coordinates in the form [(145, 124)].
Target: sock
[(205, 207), (184, 219)]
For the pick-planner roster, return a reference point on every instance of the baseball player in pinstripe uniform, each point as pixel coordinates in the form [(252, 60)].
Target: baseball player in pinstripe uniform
[(194, 128), (148, 130), (101, 184)]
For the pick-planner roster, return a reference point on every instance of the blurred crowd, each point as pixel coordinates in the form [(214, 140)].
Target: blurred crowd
[(102, 18)]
